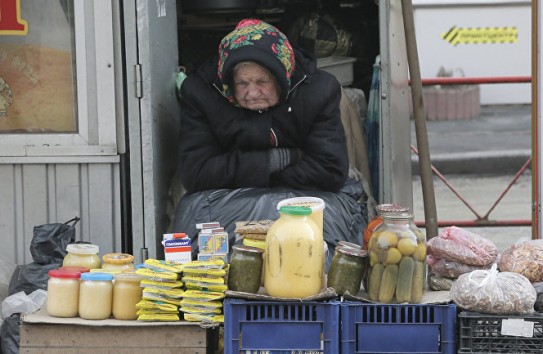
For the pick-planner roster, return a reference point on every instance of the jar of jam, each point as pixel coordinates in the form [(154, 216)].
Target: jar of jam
[(378, 220), (127, 292), (82, 255), (118, 261), (245, 271), (347, 270), (294, 255), (63, 293), (96, 295), (397, 258)]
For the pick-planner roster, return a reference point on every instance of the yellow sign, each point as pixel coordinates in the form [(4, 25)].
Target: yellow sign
[(480, 35)]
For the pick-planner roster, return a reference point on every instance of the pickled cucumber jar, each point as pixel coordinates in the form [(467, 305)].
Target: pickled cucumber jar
[(347, 269), (82, 255), (378, 219), (245, 271), (294, 255), (397, 254)]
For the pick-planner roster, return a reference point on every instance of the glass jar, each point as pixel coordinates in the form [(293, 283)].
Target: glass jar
[(397, 255), (245, 271), (378, 220), (118, 261), (63, 293), (294, 255), (95, 296), (82, 255), (347, 270), (127, 292)]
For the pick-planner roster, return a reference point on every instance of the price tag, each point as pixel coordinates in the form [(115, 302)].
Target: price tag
[(517, 327)]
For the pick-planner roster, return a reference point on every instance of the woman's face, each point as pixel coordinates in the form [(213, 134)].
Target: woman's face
[(255, 88)]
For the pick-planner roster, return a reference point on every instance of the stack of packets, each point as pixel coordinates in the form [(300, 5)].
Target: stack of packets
[(212, 242), (205, 284), (162, 291), (253, 233)]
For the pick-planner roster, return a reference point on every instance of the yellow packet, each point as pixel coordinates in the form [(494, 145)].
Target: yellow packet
[(197, 310), (206, 287), (191, 317), (203, 295), (154, 312), (167, 293), (149, 283), (155, 297), (164, 265), (209, 264), (146, 304), (201, 304), (159, 317), (200, 279), (205, 272), (157, 275)]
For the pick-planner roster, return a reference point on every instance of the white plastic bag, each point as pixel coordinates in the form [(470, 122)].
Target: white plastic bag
[(493, 292), (22, 303)]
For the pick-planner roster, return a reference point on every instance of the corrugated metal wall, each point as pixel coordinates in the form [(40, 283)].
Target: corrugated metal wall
[(36, 194)]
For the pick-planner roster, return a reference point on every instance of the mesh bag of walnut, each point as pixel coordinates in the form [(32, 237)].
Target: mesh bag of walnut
[(494, 292)]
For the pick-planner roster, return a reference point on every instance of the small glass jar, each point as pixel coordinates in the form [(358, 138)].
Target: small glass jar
[(245, 271), (63, 293), (127, 292), (118, 261), (96, 295), (347, 270), (397, 258), (378, 219), (82, 255)]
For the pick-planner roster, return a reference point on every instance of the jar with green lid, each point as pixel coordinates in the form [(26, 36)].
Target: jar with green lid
[(397, 257), (82, 255), (294, 255), (347, 270), (245, 271)]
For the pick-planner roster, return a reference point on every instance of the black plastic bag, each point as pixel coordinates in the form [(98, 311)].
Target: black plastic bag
[(9, 334), (49, 242)]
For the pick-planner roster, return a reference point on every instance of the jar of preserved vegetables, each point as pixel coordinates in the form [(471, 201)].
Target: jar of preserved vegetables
[(397, 254), (294, 255), (378, 219), (245, 271), (82, 255), (63, 293), (95, 296), (347, 269)]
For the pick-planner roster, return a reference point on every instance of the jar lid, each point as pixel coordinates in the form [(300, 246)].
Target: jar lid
[(128, 277), (392, 208), (82, 248), (295, 210), (352, 252), (316, 204), (250, 249), (118, 258), (96, 276), (398, 216), (66, 274), (75, 269), (349, 245)]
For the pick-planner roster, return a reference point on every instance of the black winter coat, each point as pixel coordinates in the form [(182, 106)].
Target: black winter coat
[(224, 146)]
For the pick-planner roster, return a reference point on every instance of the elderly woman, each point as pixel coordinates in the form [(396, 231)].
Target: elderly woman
[(259, 124)]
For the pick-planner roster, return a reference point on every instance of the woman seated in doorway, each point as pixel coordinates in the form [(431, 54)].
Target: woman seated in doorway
[(260, 124)]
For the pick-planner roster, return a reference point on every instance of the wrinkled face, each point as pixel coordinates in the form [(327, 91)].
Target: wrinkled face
[(255, 88)]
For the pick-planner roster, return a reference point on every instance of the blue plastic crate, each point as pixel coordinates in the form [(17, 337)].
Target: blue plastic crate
[(281, 327), (406, 328)]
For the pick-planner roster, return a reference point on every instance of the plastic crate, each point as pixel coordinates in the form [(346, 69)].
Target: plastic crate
[(340, 67), (481, 333), (281, 327), (406, 328)]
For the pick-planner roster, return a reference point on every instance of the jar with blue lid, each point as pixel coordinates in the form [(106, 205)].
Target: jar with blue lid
[(95, 296)]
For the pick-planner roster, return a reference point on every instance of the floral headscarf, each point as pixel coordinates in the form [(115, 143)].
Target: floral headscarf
[(258, 41)]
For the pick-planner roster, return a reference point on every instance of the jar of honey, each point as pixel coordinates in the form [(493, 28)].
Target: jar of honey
[(118, 261), (96, 295), (82, 255), (63, 293), (294, 255), (127, 292)]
